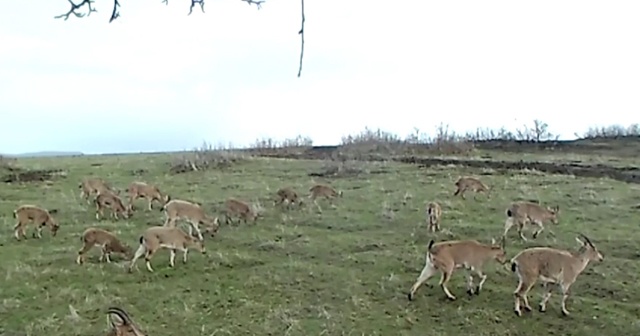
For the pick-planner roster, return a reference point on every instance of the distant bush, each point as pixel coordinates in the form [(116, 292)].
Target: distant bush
[(611, 131), (207, 157), (379, 145)]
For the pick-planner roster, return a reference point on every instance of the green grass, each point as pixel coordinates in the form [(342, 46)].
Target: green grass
[(345, 271)]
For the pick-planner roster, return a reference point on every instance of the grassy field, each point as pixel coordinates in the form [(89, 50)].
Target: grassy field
[(345, 271)]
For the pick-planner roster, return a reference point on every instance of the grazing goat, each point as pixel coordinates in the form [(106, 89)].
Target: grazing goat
[(288, 195), (172, 238), (551, 266), (241, 210), (107, 241), (325, 191), (150, 192), (446, 256), (121, 323), (193, 213), (523, 213), (467, 183), (38, 216), (112, 201), (94, 185), (434, 213)]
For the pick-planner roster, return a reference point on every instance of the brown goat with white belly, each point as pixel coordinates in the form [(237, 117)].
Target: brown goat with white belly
[(446, 256)]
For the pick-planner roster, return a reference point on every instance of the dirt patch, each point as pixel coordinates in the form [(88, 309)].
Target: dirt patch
[(624, 174), (19, 175)]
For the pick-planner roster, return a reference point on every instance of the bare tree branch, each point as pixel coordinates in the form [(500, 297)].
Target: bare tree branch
[(258, 3), (115, 13), (301, 33), (74, 7), (193, 3)]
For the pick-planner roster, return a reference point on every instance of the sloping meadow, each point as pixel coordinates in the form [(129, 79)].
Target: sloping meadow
[(338, 270)]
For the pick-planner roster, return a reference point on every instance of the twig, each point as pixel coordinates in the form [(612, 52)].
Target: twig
[(75, 7), (258, 3), (193, 3), (301, 33), (115, 13)]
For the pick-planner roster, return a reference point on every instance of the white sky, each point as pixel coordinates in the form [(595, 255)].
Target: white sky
[(157, 79)]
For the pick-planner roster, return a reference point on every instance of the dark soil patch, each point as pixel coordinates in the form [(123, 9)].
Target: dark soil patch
[(627, 174), (17, 175), (624, 174)]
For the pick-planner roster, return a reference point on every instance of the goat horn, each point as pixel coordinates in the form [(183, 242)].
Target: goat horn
[(120, 312), (586, 239)]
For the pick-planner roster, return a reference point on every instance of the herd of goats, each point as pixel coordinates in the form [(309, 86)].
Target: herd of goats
[(549, 265)]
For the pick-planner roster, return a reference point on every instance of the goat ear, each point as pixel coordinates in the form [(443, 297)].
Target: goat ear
[(581, 242), (493, 241)]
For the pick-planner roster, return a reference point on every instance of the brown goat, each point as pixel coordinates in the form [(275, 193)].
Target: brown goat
[(467, 183), (434, 214), (150, 192), (112, 201), (107, 241), (324, 191), (94, 185), (172, 238), (38, 216), (239, 209), (522, 213), (121, 323), (552, 267), (288, 195), (193, 213), (446, 256)]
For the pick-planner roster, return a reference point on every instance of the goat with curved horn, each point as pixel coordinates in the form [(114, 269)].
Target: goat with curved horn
[(121, 323)]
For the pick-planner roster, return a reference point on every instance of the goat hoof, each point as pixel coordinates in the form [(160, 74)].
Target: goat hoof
[(541, 309), (527, 308), (565, 313), (470, 292), (410, 297), (518, 313), (477, 290)]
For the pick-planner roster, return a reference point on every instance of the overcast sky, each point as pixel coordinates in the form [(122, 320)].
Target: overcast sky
[(156, 79)]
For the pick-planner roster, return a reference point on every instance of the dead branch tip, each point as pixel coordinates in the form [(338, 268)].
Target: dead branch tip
[(115, 13), (193, 4), (75, 7), (258, 3), (301, 33)]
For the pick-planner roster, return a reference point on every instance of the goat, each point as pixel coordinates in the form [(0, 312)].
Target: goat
[(150, 192), (172, 238), (242, 210), (107, 241), (110, 200), (434, 214), (193, 213), (38, 216), (288, 195), (467, 183), (446, 256), (325, 191), (121, 323), (523, 213), (94, 185), (551, 266)]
